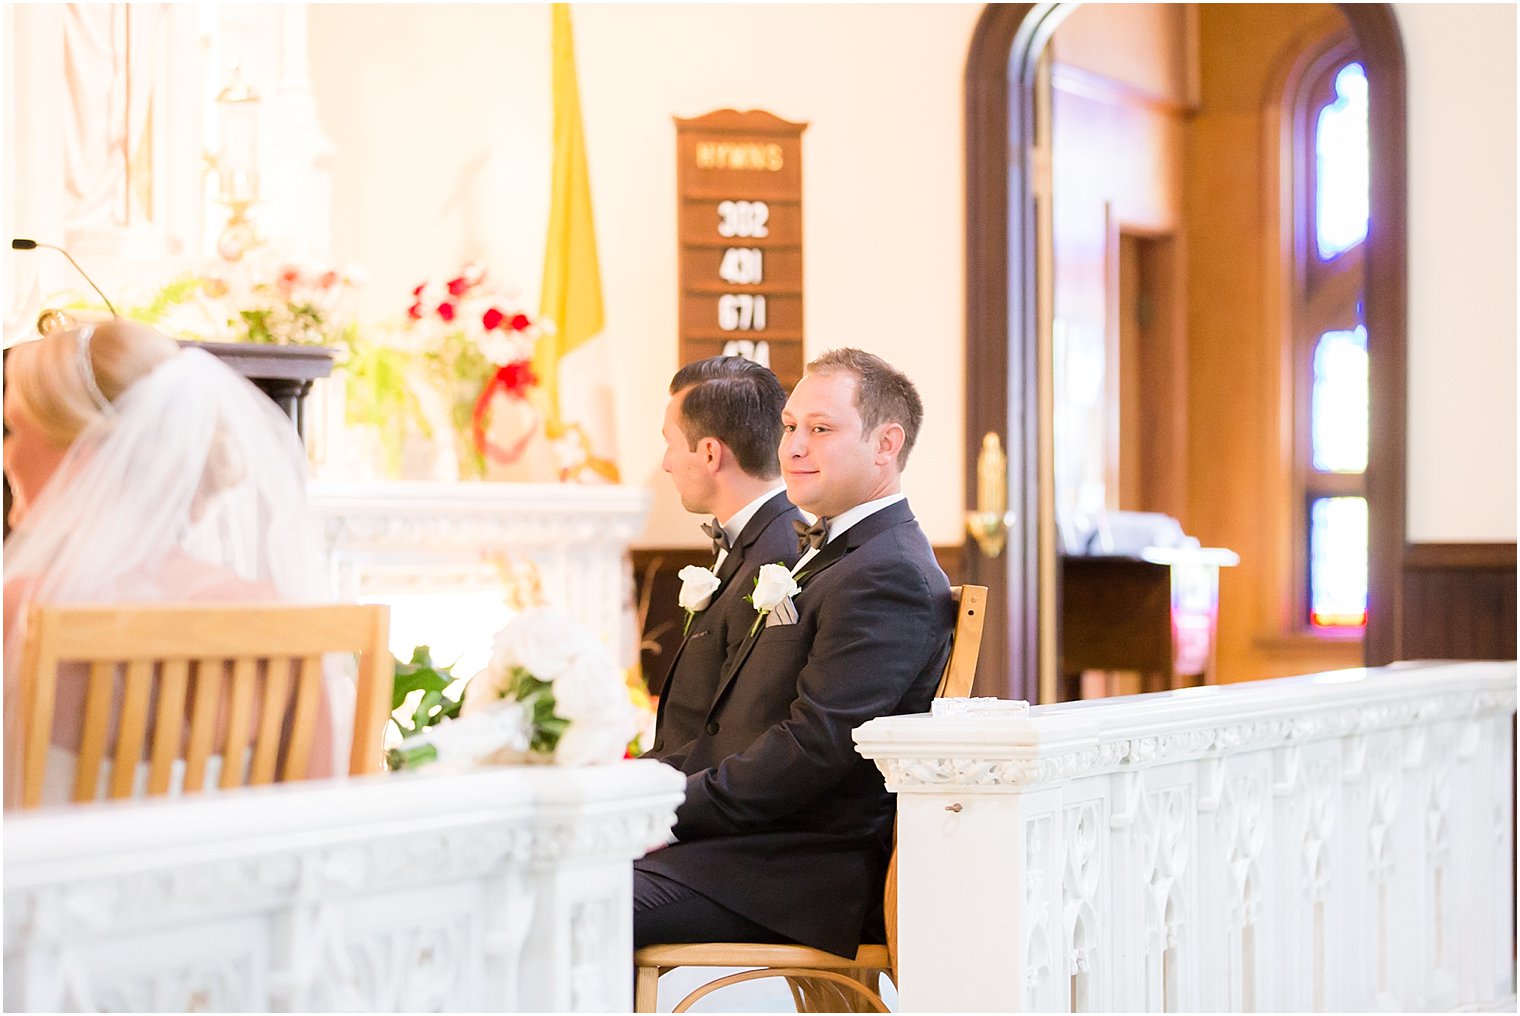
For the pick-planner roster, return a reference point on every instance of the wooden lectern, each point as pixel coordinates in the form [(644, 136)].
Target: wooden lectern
[(1155, 614)]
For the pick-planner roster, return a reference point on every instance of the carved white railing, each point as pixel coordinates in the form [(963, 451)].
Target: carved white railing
[(1334, 842), (503, 890), (435, 552)]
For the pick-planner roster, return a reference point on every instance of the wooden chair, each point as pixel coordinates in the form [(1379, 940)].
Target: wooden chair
[(820, 981), (186, 657)]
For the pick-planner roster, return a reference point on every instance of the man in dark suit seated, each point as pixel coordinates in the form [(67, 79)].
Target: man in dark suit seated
[(785, 831), (722, 426)]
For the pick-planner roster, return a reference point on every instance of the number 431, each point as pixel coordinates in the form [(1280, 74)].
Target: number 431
[(742, 266)]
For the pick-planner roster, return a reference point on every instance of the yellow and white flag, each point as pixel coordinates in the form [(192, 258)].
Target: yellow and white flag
[(569, 366)]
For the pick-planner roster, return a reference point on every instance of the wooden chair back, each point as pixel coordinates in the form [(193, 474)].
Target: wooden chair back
[(960, 672), (965, 642), (201, 669)]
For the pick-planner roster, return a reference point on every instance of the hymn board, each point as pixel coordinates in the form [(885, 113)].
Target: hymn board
[(739, 195)]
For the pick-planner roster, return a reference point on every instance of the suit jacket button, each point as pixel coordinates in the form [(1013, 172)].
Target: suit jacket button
[(712, 728)]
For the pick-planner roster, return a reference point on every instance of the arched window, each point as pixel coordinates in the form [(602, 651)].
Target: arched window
[(1329, 156)]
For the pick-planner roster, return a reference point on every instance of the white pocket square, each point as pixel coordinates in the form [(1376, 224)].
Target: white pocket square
[(785, 613)]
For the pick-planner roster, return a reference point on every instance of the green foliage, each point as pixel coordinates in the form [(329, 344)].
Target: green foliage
[(377, 395), (432, 706), (246, 311), (286, 323), (539, 697), (459, 369), (180, 289)]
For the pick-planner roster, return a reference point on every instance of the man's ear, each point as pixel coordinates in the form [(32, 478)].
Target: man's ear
[(889, 442), (712, 453)]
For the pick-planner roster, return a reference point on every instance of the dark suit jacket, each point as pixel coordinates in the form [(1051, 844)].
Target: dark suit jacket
[(687, 694), (783, 821)]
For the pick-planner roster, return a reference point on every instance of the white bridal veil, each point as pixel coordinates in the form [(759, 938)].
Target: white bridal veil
[(191, 489), (195, 477)]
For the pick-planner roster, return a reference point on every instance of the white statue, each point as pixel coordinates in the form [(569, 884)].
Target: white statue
[(113, 58)]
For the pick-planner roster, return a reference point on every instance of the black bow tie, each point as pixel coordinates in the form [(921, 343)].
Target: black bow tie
[(814, 536), (720, 540)]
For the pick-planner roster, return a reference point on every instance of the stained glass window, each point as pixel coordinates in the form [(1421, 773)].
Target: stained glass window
[(1338, 562), (1338, 401), (1331, 394), (1340, 165)]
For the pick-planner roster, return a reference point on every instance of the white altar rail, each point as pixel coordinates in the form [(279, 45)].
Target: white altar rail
[(1334, 842), (505, 890)]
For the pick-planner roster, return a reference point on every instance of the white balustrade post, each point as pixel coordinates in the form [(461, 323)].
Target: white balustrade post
[(969, 829), (986, 836), (584, 913)]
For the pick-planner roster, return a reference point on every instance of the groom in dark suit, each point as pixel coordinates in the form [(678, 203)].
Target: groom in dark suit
[(785, 831), (721, 429)]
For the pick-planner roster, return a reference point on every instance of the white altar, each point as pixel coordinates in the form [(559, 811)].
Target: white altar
[(448, 558), (499, 889), (1340, 841)]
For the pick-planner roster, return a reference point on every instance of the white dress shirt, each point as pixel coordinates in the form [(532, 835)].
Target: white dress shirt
[(844, 520), (735, 523)]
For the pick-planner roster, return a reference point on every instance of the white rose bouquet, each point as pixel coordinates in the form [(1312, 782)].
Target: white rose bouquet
[(551, 692)]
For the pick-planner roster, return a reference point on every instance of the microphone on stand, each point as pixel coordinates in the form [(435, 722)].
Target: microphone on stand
[(23, 244)]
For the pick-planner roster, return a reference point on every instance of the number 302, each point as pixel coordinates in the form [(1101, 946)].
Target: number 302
[(743, 218)]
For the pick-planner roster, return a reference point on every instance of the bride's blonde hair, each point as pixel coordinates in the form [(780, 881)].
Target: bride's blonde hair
[(47, 376)]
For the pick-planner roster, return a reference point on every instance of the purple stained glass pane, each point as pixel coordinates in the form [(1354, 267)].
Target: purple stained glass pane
[(1338, 562), (1341, 165), (1338, 418)]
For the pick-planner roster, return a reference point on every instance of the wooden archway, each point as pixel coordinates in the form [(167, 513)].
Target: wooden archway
[(1002, 376)]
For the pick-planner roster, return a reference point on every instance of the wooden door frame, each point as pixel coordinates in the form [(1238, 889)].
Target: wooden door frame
[(1002, 368)]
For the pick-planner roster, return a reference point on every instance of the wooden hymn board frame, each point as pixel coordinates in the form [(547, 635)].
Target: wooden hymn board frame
[(739, 208)]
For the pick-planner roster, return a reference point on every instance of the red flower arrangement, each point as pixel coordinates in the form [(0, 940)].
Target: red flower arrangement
[(486, 338)]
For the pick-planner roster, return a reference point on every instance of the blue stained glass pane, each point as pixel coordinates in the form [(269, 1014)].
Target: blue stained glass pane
[(1340, 153), (1338, 562), (1338, 402)]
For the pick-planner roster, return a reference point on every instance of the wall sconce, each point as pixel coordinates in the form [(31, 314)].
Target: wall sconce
[(237, 164), (990, 522)]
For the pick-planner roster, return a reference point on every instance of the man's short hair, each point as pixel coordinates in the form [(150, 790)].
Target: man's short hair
[(883, 394), (737, 401)]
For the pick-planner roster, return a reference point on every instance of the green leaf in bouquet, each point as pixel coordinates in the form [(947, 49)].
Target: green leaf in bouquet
[(433, 706), (547, 731), (419, 672), (526, 687)]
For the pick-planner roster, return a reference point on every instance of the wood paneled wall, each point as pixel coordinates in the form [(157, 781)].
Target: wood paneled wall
[(657, 589), (1459, 601)]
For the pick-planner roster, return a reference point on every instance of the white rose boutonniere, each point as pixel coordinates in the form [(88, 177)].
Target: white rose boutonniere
[(773, 584), (697, 588)]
